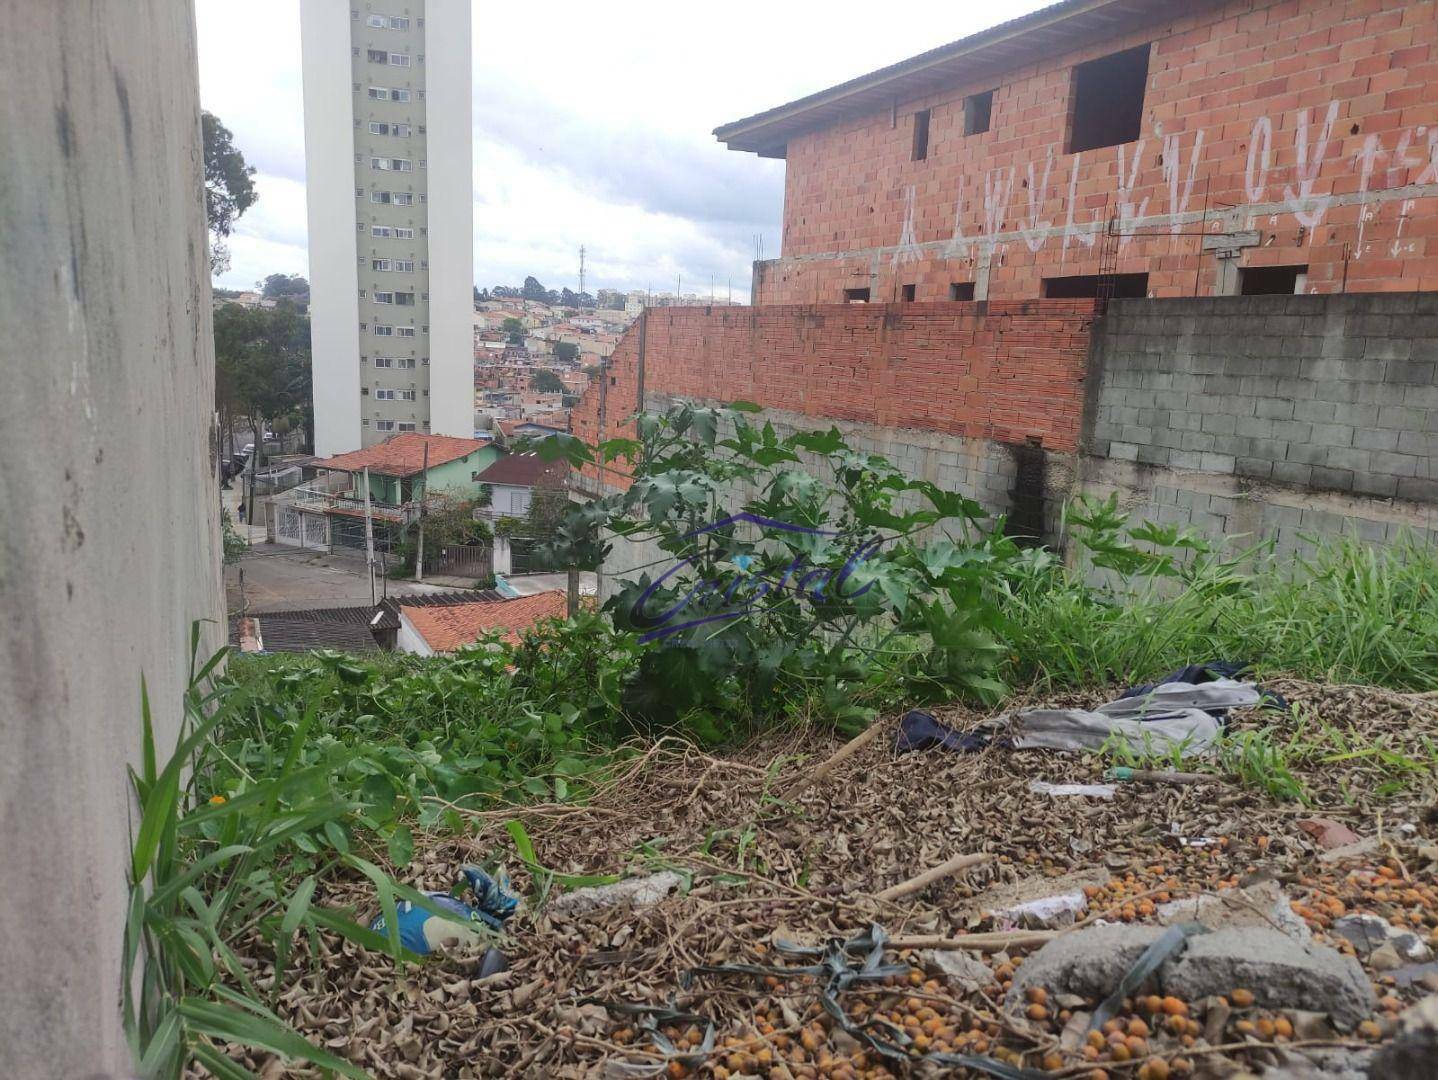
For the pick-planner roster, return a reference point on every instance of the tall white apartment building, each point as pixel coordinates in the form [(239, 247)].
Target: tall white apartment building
[(388, 157)]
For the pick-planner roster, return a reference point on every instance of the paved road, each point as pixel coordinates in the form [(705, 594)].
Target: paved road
[(278, 578)]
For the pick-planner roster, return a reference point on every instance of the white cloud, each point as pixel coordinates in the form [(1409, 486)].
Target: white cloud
[(592, 126)]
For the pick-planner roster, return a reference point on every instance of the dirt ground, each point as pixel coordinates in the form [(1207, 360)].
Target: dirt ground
[(770, 851)]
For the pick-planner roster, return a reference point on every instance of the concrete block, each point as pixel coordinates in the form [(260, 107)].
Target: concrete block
[(1375, 484), (1217, 463), (1219, 423), (1426, 348), (1332, 434), (1306, 453), (1342, 346), (1325, 479), (1291, 472), (1123, 451), (1347, 457), (1371, 438), (1418, 489), (1420, 442), (1401, 418), (1368, 326), (1353, 414), (1292, 431), (1197, 440), (1411, 372), (1395, 348), (1276, 408), (1315, 411), (1185, 459), (1254, 468), (1281, 367)]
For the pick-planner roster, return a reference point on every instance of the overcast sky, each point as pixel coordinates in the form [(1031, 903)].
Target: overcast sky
[(592, 125)]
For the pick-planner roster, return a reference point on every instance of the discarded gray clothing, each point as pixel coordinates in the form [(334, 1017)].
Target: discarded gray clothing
[(1169, 716), (1079, 729)]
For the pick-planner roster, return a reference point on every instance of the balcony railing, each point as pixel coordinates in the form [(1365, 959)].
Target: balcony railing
[(346, 502)]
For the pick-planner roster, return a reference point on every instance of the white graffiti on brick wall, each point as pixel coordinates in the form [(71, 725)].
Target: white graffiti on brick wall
[(1301, 195)]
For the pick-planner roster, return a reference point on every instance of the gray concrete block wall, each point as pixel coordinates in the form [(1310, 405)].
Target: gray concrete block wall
[(1286, 417), (109, 532)]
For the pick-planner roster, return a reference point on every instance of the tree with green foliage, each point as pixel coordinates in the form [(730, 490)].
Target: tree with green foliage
[(229, 189), (280, 286), (533, 290), (566, 351), (546, 382), (262, 367)]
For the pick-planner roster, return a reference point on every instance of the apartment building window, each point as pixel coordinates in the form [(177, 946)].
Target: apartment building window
[(856, 296), (978, 111), (406, 425), (1272, 280), (403, 234), (376, 22), (378, 56), (422, 163), (383, 395), (909, 292), (379, 196), (379, 264), (383, 361), (404, 299), (406, 331), (378, 129), (381, 230), (364, 423), (424, 330), (398, 60), (405, 395), (378, 93), (381, 329), (921, 136), (401, 22), (404, 266), (383, 425), (359, 226), (362, 327), (403, 198), (421, 129), (400, 130), (359, 193), (961, 290), (1106, 100), (402, 164), (379, 163), (361, 294), (401, 95), (1083, 286), (382, 297), (424, 264), (424, 360)]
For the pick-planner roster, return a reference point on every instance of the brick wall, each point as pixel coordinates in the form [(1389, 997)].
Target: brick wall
[(1008, 372), (1295, 133), (1281, 417)]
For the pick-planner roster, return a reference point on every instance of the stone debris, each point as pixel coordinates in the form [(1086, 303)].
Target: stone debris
[(640, 892), (1261, 904), (1283, 972), (1413, 1053), (1370, 933), (960, 968)]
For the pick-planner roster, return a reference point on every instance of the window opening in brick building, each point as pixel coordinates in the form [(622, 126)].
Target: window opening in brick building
[(961, 290), (978, 110), (856, 296), (1083, 286), (1106, 103), (909, 292), (1272, 280), (921, 135)]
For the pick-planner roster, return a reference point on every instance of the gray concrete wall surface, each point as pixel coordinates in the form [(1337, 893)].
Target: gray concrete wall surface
[(109, 535), (1279, 417)]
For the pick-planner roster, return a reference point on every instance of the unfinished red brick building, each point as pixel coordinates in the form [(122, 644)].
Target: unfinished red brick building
[(1185, 253), (1142, 147)]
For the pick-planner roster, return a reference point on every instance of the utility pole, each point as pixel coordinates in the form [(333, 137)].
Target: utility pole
[(423, 503), (581, 269), (368, 537)]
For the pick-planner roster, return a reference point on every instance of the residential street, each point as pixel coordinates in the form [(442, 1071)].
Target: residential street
[(279, 578)]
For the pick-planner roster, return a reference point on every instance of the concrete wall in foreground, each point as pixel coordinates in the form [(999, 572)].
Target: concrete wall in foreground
[(1279, 417), (109, 545)]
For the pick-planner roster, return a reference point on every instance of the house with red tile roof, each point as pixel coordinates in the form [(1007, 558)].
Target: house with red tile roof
[(430, 625)]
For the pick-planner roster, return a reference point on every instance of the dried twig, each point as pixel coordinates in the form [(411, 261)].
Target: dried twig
[(928, 877)]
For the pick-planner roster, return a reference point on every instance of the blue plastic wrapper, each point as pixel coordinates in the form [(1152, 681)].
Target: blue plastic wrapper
[(421, 931)]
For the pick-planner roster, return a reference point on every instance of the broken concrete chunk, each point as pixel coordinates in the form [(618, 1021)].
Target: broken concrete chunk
[(1414, 1049), (1262, 904), (959, 967), (1328, 833), (1283, 973), (1089, 962), (1095, 791), (634, 892), (1369, 933)]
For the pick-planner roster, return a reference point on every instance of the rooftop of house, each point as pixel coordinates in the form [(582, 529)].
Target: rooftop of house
[(402, 455), (348, 629), (522, 470), (1054, 29), (448, 626)]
